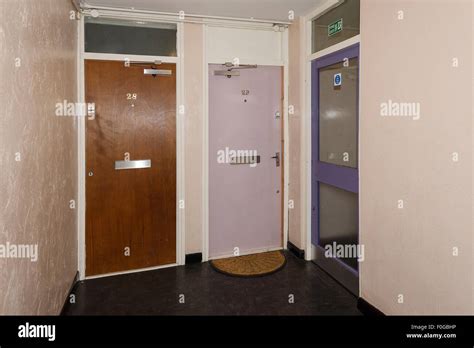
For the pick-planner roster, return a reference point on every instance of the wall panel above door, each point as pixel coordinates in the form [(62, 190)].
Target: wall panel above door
[(263, 47)]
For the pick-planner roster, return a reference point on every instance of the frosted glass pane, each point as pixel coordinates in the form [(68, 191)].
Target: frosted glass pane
[(338, 114), (338, 214)]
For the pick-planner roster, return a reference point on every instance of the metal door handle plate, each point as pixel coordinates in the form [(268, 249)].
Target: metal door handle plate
[(277, 158), (139, 164)]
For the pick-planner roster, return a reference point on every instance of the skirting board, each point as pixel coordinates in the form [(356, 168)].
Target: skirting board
[(367, 309), (66, 301), (193, 258), (295, 250)]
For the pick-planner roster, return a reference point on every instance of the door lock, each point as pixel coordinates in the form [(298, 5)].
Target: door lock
[(277, 158), (91, 110)]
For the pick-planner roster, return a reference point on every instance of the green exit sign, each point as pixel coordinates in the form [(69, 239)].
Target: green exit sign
[(335, 27)]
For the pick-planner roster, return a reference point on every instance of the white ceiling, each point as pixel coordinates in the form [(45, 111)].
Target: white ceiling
[(257, 9)]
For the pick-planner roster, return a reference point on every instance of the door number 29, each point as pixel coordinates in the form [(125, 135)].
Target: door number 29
[(131, 96)]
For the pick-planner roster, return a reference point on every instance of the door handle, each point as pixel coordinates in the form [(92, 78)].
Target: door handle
[(119, 165), (157, 72), (277, 158)]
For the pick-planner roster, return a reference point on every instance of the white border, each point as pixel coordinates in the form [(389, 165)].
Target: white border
[(205, 140), (180, 169), (306, 35)]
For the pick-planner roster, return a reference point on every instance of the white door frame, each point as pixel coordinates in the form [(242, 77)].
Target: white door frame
[(81, 139), (205, 136), (306, 35)]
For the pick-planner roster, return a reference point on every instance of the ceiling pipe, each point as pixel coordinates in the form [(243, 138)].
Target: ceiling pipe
[(77, 5), (185, 17)]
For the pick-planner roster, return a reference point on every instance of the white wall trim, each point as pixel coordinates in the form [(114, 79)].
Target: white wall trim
[(180, 150), (132, 57), (81, 158), (286, 138), (305, 241), (359, 156), (334, 48), (205, 152), (180, 134)]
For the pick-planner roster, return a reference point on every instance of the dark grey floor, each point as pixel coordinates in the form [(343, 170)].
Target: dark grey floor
[(207, 292)]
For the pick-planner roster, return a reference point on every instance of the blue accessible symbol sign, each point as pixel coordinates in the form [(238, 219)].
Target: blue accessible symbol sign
[(338, 79)]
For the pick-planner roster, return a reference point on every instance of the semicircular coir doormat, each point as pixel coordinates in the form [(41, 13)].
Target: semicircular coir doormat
[(255, 265)]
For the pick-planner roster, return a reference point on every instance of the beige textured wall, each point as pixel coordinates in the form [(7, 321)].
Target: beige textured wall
[(295, 95), (193, 96), (35, 192), (409, 251), (472, 161)]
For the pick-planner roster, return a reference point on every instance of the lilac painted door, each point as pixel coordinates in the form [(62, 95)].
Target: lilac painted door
[(245, 196)]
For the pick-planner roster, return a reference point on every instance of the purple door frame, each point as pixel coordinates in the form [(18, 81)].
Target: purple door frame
[(342, 177)]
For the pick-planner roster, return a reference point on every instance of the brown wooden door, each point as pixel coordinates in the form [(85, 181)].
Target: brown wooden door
[(130, 214)]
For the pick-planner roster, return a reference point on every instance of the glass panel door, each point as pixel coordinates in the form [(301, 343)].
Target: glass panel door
[(337, 115), (338, 210), (335, 178)]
